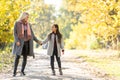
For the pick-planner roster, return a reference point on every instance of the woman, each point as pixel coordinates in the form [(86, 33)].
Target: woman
[(55, 44), (23, 44)]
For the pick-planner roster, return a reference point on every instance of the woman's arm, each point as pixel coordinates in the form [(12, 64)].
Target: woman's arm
[(15, 33), (34, 37)]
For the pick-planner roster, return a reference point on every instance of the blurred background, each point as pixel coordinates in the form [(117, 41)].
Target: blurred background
[(88, 24), (85, 24)]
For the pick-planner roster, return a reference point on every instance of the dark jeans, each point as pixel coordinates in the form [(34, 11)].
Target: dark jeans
[(25, 52), (55, 54)]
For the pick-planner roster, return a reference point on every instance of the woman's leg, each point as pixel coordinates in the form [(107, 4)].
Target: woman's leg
[(24, 63), (17, 57), (24, 53)]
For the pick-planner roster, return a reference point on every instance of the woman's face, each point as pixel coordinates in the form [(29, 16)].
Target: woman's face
[(54, 29), (26, 19)]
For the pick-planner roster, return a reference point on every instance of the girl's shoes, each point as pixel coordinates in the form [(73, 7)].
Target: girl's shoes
[(53, 72), (14, 75)]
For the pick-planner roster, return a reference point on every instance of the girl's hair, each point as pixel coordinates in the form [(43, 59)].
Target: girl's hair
[(57, 33), (23, 16)]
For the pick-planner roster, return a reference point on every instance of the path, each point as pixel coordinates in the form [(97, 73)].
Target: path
[(39, 69)]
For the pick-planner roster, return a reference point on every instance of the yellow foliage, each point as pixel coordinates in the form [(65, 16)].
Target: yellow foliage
[(102, 18), (9, 12)]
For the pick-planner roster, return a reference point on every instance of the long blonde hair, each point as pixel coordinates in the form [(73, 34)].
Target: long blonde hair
[(23, 16)]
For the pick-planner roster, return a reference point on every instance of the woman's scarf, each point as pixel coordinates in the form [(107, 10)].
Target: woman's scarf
[(20, 30)]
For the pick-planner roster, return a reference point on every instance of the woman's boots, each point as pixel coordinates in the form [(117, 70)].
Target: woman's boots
[(22, 74), (60, 71)]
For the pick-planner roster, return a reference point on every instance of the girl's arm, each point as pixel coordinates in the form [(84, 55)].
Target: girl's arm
[(45, 41), (62, 44)]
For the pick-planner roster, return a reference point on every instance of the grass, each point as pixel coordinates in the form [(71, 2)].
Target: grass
[(105, 60)]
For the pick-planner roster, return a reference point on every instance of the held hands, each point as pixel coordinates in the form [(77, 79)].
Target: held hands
[(39, 43), (18, 43)]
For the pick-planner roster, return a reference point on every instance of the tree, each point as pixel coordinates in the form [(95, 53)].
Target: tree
[(42, 17), (101, 17), (66, 19), (10, 10)]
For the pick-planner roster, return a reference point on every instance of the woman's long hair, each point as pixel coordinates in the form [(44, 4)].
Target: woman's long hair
[(23, 16), (57, 33)]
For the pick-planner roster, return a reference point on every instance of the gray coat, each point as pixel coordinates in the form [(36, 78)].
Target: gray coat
[(51, 45), (17, 50)]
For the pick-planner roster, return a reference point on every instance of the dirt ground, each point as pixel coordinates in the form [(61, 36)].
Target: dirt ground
[(39, 69)]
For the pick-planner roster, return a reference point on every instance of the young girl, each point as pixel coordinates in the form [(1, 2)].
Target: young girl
[(55, 44)]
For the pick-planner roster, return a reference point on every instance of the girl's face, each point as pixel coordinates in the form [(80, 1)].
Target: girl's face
[(54, 28)]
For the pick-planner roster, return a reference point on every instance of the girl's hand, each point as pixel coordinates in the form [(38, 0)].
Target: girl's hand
[(18, 43), (63, 52)]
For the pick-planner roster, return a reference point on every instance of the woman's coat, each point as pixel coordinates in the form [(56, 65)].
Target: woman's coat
[(60, 46), (17, 50)]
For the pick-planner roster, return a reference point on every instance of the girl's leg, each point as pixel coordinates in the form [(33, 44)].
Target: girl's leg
[(59, 64), (58, 61), (16, 64), (52, 64)]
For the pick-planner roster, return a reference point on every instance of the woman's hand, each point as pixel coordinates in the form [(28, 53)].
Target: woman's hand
[(18, 43)]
